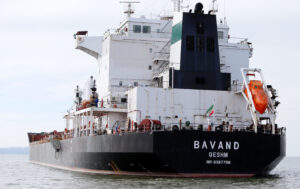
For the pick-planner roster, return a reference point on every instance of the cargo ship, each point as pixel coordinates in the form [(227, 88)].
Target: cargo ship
[(173, 97)]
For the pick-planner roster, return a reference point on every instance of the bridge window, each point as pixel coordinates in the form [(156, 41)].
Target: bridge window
[(200, 44), (200, 80), (190, 46), (220, 35), (137, 28), (146, 29), (210, 44)]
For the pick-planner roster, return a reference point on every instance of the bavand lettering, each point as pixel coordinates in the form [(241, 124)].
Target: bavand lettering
[(216, 145)]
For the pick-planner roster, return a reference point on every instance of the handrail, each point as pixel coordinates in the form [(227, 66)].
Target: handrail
[(165, 26), (99, 131)]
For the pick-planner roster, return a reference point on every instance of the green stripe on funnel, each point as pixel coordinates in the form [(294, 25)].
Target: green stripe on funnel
[(176, 33)]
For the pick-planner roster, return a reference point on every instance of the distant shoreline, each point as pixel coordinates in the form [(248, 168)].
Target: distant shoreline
[(14, 151)]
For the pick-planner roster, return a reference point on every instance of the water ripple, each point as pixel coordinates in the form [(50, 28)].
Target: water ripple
[(17, 172)]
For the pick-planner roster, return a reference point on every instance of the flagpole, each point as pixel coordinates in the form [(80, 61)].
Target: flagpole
[(214, 118), (210, 111)]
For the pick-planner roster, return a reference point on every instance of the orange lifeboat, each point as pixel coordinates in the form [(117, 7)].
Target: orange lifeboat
[(259, 97)]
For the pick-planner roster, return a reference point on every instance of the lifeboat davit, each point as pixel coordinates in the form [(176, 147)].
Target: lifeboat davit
[(259, 96)]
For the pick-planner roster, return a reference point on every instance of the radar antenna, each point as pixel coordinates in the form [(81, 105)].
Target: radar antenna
[(129, 11)]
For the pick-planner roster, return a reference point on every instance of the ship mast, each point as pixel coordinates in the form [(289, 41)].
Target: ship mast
[(129, 11), (177, 5), (214, 7)]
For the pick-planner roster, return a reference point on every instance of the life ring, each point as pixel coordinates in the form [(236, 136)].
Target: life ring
[(175, 128)]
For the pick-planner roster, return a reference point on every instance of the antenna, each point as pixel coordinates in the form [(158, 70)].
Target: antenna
[(129, 11), (177, 5), (225, 20), (214, 7)]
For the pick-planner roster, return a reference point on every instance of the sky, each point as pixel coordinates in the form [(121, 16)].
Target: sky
[(39, 67)]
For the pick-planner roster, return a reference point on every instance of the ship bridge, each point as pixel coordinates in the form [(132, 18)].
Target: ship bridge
[(140, 53)]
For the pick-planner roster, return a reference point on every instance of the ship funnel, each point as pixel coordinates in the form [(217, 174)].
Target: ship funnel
[(199, 8), (194, 54)]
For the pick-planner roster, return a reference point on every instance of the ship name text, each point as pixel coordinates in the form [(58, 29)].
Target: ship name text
[(216, 145)]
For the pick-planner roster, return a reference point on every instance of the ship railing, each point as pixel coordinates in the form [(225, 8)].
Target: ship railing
[(162, 30), (163, 54), (164, 66), (239, 40), (236, 87), (128, 32), (265, 129), (164, 127), (120, 128), (167, 127)]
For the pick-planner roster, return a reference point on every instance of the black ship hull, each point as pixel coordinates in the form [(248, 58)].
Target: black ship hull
[(174, 154)]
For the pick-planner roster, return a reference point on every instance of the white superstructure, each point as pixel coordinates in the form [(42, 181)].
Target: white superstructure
[(133, 81)]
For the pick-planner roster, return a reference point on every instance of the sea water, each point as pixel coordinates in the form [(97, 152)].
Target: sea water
[(17, 172)]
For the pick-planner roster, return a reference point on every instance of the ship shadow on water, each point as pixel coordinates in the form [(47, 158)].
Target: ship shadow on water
[(121, 181), (287, 175), (80, 180)]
